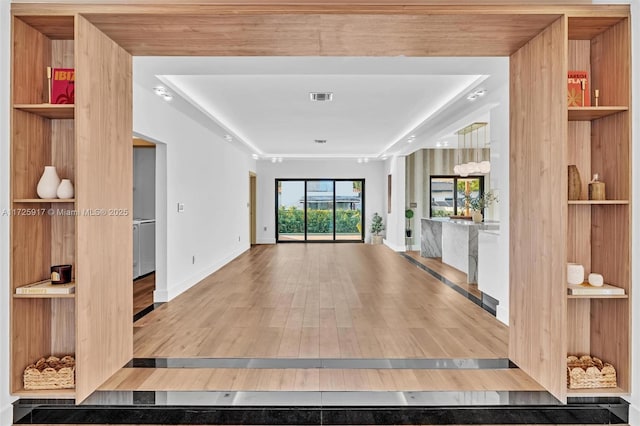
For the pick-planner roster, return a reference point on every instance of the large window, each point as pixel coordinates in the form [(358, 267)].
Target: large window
[(319, 210), (447, 194)]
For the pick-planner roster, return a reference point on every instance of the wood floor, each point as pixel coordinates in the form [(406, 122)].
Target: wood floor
[(320, 301), (456, 276), (143, 292)]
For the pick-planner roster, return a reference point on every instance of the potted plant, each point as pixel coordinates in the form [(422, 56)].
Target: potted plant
[(408, 214), (376, 227), (478, 204)]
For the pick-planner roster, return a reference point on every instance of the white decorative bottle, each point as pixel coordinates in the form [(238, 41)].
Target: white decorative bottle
[(575, 273), (48, 183), (65, 189)]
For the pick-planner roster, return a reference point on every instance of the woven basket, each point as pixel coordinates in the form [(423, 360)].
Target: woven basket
[(51, 373), (589, 373)]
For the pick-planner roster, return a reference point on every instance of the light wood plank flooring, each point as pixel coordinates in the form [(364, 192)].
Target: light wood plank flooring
[(454, 275), (143, 292), (320, 301), (314, 379)]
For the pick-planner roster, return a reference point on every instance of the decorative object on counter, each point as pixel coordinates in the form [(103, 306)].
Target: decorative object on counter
[(48, 183), (586, 372), (60, 274), (575, 273), (65, 189), (376, 227), (596, 189), (575, 184), (51, 373), (578, 94), (596, 96), (596, 280), (478, 204), (408, 214)]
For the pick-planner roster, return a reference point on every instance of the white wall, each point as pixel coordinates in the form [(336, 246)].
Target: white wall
[(395, 221), (5, 398), (211, 178), (499, 118), (268, 172)]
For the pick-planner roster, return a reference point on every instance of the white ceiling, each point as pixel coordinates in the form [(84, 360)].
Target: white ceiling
[(263, 103)]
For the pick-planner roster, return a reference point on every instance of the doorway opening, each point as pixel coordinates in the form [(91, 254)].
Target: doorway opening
[(319, 210), (252, 208)]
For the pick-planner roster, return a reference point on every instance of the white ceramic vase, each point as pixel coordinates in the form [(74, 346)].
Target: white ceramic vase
[(476, 216), (48, 183), (575, 273), (65, 189)]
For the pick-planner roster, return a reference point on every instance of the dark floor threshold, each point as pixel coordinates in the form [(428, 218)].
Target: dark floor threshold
[(482, 302), (147, 310), (571, 414)]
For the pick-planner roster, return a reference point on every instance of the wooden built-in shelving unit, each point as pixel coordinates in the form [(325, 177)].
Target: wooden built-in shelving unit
[(94, 152), (598, 230), (546, 229)]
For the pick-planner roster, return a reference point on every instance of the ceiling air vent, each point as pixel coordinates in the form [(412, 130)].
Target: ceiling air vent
[(320, 141), (321, 96)]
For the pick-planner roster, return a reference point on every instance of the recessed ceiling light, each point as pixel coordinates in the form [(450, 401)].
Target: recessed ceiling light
[(163, 92), (255, 156), (476, 94), (438, 144), (359, 160), (366, 160), (320, 141), (229, 138), (321, 96), (274, 159), (279, 159)]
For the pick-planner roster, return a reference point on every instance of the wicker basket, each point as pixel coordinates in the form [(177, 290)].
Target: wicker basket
[(51, 373), (589, 373)]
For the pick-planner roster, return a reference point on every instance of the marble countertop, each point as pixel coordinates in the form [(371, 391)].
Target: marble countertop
[(486, 225)]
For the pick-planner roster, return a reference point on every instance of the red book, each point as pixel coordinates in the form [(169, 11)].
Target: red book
[(62, 85), (578, 89)]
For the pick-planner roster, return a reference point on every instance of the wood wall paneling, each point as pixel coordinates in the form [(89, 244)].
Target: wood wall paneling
[(31, 51), (611, 65), (104, 181), (539, 215), (31, 335)]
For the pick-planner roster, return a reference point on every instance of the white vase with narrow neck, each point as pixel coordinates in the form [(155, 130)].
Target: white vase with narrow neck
[(65, 189), (48, 183)]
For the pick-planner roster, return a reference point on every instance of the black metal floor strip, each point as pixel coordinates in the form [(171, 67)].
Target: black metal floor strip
[(336, 363), (478, 301), (147, 310)]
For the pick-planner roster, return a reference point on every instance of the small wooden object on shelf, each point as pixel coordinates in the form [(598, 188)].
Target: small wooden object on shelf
[(586, 372), (596, 189), (51, 373)]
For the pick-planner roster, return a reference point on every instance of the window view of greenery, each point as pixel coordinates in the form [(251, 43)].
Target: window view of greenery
[(446, 202), (320, 199)]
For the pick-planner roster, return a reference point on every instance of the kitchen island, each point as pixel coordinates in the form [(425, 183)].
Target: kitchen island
[(455, 241)]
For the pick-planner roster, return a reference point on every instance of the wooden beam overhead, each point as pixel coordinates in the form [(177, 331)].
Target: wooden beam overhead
[(327, 28)]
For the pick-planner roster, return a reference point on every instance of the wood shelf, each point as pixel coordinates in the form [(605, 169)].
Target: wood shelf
[(598, 296), (597, 202), (44, 296), (46, 394), (55, 111), (593, 113), (597, 392), (44, 200)]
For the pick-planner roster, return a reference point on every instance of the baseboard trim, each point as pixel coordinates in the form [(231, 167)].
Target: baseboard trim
[(174, 291), (266, 241)]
